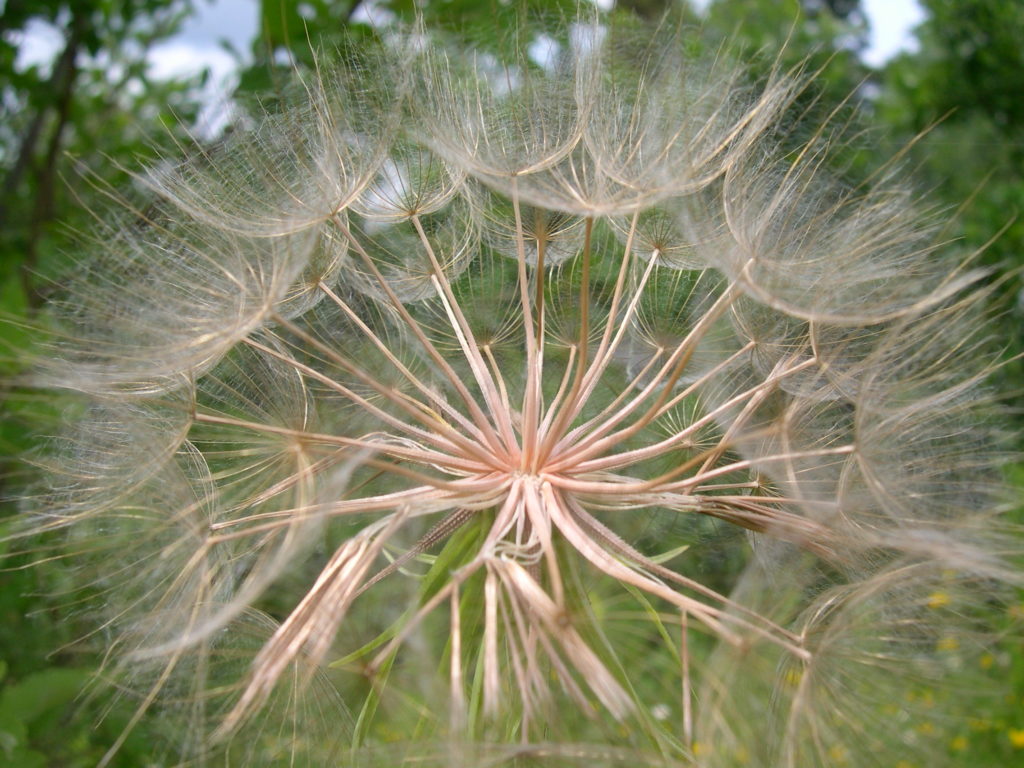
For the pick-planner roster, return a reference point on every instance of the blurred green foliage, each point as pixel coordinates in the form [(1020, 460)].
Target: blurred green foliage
[(94, 107), (962, 88), (90, 108)]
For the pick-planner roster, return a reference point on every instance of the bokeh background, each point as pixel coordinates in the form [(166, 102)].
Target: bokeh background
[(92, 89)]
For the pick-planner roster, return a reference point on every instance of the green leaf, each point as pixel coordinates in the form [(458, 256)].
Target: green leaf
[(457, 552), (378, 641), (369, 708), (39, 693), (664, 557), (24, 758)]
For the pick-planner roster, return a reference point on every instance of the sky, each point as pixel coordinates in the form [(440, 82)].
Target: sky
[(892, 24), (200, 43)]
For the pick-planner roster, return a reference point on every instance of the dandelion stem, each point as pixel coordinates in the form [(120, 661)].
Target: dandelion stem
[(468, 343), (534, 344), (478, 415), (605, 352), (435, 398), (628, 457), (399, 451), (666, 378), (403, 426), (567, 411)]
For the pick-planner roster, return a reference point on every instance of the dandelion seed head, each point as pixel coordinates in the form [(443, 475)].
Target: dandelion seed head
[(525, 350)]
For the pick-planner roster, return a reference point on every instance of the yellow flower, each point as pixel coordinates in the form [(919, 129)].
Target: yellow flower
[(938, 599), (1016, 737), (839, 755), (959, 744)]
